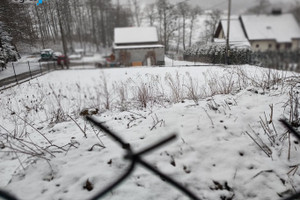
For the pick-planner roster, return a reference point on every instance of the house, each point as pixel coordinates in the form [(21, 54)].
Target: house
[(137, 46), (271, 32), (237, 36)]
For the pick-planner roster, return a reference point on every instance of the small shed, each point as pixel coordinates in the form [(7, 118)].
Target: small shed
[(138, 46)]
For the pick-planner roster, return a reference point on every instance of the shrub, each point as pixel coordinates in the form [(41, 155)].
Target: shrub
[(216, 54)]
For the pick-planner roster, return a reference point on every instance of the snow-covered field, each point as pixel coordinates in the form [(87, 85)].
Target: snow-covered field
[(48, 151)]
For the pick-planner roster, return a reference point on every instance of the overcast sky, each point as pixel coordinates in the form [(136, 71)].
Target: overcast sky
[(238, 6)]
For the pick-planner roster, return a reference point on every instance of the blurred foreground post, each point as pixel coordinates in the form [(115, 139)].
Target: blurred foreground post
[(29, 69), (15, 72)]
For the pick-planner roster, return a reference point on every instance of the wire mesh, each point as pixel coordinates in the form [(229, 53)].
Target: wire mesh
[(135, 159)]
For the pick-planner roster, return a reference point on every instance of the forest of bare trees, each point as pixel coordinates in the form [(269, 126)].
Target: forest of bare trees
[(68, 22), (72, 24)]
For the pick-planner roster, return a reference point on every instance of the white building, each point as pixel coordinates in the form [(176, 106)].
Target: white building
[(137, 46), (263, 32)]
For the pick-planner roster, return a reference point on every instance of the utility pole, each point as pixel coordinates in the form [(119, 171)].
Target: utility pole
[(227, 38)]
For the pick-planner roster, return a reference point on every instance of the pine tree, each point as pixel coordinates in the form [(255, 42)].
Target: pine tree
[(7, 50), (17, 21)]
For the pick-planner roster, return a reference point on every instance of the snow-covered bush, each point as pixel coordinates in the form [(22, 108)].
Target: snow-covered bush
[(216, 54), (287, 60)]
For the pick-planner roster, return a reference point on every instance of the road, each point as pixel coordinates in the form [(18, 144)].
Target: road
[(10, 79)]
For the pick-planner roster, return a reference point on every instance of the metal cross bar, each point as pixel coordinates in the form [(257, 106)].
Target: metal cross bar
[(135, 158), (7, 196)]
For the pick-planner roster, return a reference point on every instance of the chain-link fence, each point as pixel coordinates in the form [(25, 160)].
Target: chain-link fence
[(136, 159), (19, 72)]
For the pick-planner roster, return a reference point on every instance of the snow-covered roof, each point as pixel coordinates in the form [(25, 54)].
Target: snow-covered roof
[(236, 32), (282, 28), (135, 35), (46, 50), (138, 46)]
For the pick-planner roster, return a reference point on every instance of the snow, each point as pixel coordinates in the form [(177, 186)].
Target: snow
[(282, 28), (135, 35), (213, 156), (179, 63)]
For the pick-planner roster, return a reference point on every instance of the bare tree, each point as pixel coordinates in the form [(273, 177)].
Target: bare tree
[(151, 13), (167, 21), (137, 12), (62, 32), (195, 12), (40, 27), (211, 25), (183, 9), (262, 8)]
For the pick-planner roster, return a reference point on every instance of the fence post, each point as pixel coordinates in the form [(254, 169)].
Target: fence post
[(15, 72), (41, 68), (48, 66), (29, 69), (54, 65)]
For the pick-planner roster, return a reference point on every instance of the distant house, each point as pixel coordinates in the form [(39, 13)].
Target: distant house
[(264, 32), (137, 46), (237, 36)]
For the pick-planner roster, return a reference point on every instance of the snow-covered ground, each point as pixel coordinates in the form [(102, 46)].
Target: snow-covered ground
[(170, 62), (45, 154), (93, 58)]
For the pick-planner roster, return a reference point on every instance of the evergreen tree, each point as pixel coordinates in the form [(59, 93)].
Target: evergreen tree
[(7, 50), (17, 21)]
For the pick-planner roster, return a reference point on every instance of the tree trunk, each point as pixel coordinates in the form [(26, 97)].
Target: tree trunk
[(183, 32), (64, 43), (40, 26), (191, 31)]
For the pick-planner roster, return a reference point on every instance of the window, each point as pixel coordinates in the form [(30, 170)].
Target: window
[(270, 46), (288, 45), (277, 46), (257, 45)]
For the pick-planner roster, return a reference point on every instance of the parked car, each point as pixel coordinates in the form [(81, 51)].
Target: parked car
[(46, 55), (63, 60), (56, 55)]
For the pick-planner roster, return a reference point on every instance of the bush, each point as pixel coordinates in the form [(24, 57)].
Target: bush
[(216, 54)]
